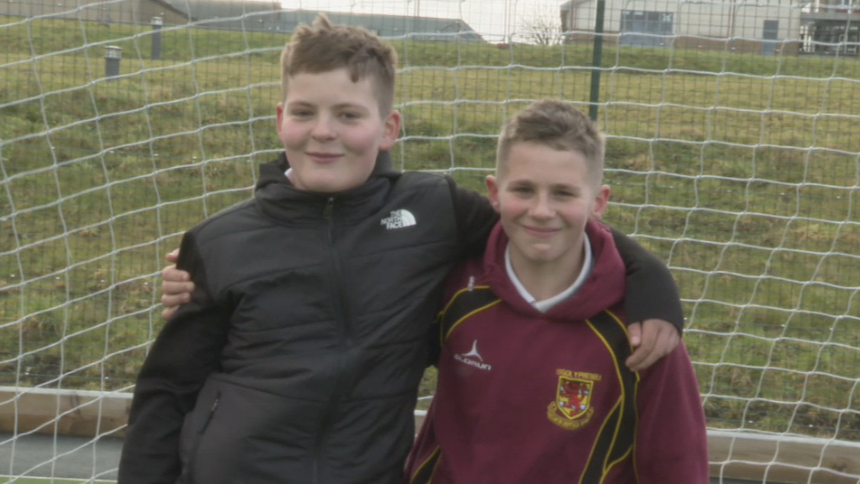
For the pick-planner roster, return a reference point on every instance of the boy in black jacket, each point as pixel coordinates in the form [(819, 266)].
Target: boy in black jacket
[(298, 356)]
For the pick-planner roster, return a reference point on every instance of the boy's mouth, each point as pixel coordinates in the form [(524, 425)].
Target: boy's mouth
[(320, 157), (540, 231)]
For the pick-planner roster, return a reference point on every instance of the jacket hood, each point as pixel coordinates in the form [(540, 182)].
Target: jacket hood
[(604, 288)]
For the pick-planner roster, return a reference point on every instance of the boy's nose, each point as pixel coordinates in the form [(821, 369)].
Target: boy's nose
[(322, 130), (541, 208)]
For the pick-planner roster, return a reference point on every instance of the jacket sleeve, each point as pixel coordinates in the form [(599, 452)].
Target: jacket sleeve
[(651, 289), (671, 438), (475, 218), (185, 352)]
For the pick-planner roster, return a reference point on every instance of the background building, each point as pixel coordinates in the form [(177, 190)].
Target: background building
[(268, 16), (257, 15), (126, 11), (767, 26), (831, 27)]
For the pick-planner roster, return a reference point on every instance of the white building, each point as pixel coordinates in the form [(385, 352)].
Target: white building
[(768, 26)]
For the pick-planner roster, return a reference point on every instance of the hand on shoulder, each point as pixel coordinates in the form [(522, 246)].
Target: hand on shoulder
[(176, 286), (652, 340)]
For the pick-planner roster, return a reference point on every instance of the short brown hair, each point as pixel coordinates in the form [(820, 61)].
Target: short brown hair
[(558, 125), (325, 47)]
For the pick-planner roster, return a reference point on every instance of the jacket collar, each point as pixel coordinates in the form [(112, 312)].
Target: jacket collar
[(278, 198)]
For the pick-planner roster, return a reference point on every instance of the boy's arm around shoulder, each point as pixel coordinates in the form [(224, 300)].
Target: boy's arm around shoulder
[(475, 218), (651, 303), (185, 352), (651, 289), (671, 435)]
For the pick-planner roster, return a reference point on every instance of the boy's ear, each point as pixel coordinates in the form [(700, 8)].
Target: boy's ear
[(279, 111), (390, 130), (601, 200), (493, 191)]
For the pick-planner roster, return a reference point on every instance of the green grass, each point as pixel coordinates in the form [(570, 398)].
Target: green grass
[(740, 171)]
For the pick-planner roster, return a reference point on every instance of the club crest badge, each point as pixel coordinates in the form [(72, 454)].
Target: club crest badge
[(572, 406)]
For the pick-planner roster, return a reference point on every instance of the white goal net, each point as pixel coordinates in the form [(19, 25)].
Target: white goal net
[(733, 152)]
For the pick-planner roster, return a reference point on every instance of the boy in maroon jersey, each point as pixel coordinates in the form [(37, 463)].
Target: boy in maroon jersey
[(532, 382)]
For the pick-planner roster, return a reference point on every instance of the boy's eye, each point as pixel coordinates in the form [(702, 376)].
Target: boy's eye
[(300, 113), (522, 189), (350, 115)]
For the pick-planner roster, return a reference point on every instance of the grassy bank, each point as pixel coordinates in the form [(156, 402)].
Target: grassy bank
[(741, 171)]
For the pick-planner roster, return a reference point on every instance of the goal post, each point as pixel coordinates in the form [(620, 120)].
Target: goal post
[(732, 152)]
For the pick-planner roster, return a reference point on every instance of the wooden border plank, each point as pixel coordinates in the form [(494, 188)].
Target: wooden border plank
[(65, 412), (785, 459), (733, 454)]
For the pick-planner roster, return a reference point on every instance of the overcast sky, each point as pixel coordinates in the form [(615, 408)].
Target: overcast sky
[(491, 18)]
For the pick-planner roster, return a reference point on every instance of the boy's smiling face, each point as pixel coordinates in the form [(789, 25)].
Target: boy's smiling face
[(545, 197), (332, 130)]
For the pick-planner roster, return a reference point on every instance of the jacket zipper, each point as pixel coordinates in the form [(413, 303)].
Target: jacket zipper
[(343, 318), (192, 459)]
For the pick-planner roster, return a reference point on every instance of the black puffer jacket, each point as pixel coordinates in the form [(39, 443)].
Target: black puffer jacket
[(305, 340)]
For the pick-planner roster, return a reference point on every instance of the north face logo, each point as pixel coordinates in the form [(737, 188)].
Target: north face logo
[(398, 219)]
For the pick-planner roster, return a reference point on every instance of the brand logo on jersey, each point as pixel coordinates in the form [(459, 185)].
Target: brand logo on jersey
[(473, 358), (399, 219), (572, 406)]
